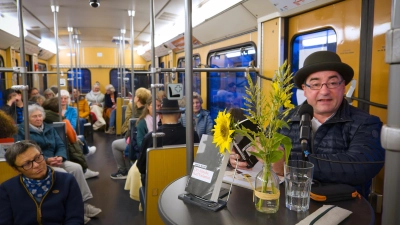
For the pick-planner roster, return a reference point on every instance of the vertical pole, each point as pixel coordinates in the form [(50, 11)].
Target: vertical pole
[(153, 70), (23, 68), (54, 9), (78, 64), (131, 13), (70, 30), (120, 66), (79, 80), (391, 132), (75, 73), (123, 63), (188, 85)]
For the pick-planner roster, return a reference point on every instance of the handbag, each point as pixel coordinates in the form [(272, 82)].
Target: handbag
[(333, 192)]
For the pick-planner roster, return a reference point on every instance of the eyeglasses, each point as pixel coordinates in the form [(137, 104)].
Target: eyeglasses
[(28, 165), (330, 85)]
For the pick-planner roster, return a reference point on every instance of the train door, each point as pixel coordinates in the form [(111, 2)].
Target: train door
[(334, 28), (2, 82)]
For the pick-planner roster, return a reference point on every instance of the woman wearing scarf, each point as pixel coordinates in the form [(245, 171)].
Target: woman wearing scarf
[(55, 153), (39, 195), (96, 101)]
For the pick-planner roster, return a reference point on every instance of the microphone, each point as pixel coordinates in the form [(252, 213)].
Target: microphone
[(306, 113)]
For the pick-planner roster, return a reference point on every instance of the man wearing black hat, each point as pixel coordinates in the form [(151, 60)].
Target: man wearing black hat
[(345, 141), (175, 133)]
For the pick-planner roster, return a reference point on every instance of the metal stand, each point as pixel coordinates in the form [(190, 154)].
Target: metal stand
[(203, 203)]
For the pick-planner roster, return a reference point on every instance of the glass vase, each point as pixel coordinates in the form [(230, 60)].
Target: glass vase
[(266, 193)]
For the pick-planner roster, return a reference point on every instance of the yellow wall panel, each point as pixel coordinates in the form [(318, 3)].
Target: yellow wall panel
[(344, 18), (379, 68)]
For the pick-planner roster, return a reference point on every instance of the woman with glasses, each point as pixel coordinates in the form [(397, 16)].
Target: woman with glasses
[(38, 195), (202, 121), (55, 153)]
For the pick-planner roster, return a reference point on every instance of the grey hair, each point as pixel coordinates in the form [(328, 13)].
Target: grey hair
[(18, 148), (197, 96), (97, 84), (34, 107), (66, 93), (110, 87)]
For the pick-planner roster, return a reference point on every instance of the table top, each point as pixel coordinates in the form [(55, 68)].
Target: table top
[(240, 209)]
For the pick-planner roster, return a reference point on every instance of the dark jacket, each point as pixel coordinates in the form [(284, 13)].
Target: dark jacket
[(107, 100), (12, 111), (61, 205), (204, 123), (351, 135), (175, 134), (49, 141), (74, 149)]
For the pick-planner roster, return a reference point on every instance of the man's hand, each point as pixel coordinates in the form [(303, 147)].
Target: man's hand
[(232, 160), (277, 167)]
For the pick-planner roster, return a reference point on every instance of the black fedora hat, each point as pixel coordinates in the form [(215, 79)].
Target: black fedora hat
[(169, 106), (323, 61)]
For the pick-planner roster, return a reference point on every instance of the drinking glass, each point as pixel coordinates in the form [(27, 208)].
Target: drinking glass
[(298, 179)]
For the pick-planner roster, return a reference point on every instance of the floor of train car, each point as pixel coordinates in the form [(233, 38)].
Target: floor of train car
[(108, 194)]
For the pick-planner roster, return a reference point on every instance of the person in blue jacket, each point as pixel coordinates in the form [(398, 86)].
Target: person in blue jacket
[(70, 113), (202, 121), (38, 195), (345, 144)]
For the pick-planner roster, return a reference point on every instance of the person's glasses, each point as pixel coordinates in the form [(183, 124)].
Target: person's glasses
[(318, 86), (28, 165)]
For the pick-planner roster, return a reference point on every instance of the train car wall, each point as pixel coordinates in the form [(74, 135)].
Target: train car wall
[(346, 25), (270, 52), (89, 56), (203, 51), (379, 68)]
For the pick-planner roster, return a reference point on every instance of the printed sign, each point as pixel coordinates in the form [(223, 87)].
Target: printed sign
[(202, 174), (174, 91)]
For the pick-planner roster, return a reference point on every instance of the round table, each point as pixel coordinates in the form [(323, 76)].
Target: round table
[(240, 209)]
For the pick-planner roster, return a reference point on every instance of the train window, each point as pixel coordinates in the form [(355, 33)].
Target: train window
[(161, 77), (84, 80), (141, 80), (226, 90), (196, 76), (42, 77), (2, 82), (305, 44)]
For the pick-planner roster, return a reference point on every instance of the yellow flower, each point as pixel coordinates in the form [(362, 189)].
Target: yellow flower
[(288, 104), (222, 132), (275, 86)]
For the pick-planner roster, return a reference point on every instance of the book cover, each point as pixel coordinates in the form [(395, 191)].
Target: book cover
[(208, 170), (241, 144)]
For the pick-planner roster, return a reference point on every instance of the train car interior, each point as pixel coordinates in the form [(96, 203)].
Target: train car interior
[(211, 47)]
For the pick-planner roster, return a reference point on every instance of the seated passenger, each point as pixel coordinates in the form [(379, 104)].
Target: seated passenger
[(110, 101), (83, 108), (175, 133), (70, 113), (96, 101), (57, 193), (14, 105), (120, 148), (52, 115), (48, 93), (32, 92), (55, 153), (54, 88), (7, 127), (340, 132), (38, 99), (139, 101), (202, 122)]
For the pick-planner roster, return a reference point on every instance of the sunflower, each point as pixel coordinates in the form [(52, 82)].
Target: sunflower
[(222, 131)]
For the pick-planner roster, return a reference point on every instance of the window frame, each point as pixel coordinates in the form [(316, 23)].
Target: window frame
[(180, 59)]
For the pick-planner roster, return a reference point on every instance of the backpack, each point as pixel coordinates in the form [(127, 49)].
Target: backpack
[(132, 149)]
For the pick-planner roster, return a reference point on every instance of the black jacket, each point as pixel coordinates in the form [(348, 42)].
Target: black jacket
[(351, 135), (175, 134)]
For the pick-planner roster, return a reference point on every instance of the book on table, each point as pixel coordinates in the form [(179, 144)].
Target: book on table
[(207, 171)]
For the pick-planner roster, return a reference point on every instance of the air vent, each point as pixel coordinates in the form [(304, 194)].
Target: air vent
[(168, 17), (8, 7), (116, 40)]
